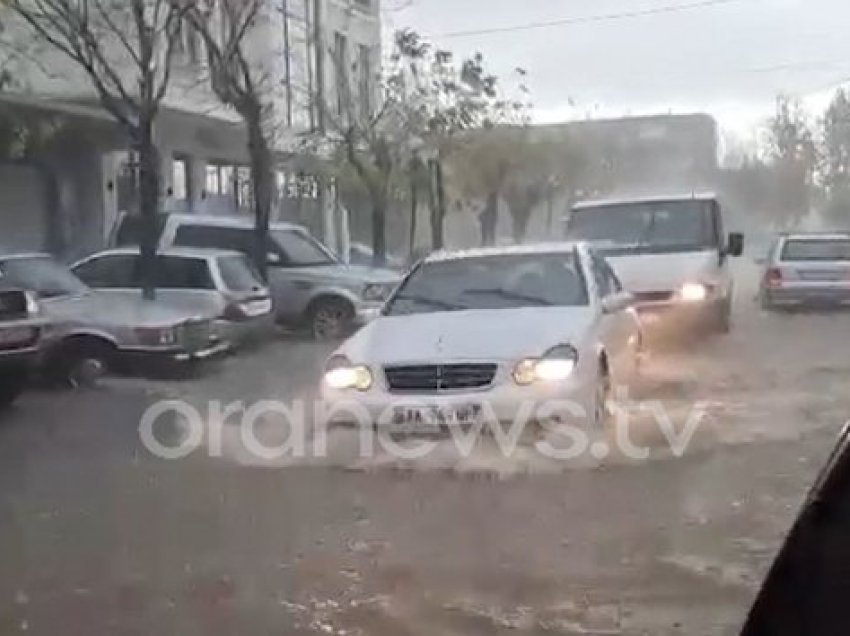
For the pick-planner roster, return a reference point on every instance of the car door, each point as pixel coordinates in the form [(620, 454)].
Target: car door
[(616, 327)]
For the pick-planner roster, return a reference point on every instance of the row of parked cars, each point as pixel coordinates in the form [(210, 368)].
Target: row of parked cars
[(74, 322)]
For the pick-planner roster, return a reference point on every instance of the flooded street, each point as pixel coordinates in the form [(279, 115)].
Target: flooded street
[(97, 536)]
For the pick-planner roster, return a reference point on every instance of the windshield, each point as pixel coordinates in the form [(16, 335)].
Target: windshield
[(301, 249), (43, 276), (496, 282), (239, 274), (674, 225), (816, 250)]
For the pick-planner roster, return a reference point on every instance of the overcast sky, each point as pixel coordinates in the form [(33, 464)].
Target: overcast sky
[(729, 58)]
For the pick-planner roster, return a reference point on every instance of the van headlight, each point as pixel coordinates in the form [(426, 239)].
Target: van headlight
[(693, 292), (557, 365), (342, 375)]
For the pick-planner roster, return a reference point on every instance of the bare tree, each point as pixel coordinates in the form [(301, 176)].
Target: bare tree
[(244, 84), (125, 50)]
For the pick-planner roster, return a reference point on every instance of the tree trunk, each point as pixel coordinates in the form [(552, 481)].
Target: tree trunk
[(438, 216), (379, 233), (149, 167), (519, 223), (489, 219), (414, 211), (263, 185)]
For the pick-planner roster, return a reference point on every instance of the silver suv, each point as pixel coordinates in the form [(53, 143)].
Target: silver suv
[(309, 285)]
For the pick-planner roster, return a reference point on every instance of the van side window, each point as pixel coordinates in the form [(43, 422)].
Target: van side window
[(224, 238), (129, 231)]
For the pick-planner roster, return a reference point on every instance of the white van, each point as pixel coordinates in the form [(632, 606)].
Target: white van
[(670, 252), (309, 285)]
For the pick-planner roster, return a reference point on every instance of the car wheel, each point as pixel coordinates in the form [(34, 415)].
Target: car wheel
[(330, 318), (12, 384), (82, 362)]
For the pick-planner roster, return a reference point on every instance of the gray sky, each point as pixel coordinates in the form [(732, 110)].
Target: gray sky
[(730, 59)]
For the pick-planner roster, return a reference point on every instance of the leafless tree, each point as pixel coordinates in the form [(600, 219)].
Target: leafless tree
[(124, 48), (243, 83)]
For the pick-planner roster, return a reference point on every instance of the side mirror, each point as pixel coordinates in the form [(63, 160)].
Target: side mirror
[(273, 259), (735, 246), (617, 302)]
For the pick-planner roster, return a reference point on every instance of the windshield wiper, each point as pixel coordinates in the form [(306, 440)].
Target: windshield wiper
[(509, 295), (427, 300)]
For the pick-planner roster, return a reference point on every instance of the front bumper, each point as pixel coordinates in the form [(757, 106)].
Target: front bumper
[(175, 354), (571, 401)]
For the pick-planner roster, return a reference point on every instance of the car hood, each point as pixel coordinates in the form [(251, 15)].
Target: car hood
[(664, 272), (349, 274), (492, 335), (105, 309)]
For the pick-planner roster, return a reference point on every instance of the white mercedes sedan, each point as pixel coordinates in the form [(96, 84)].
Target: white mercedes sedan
[(529, 332)]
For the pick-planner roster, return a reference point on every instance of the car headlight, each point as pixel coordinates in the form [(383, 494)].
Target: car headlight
[(157, 336), (556, 365), (342, 375), (33, 308), (376, 292), (693, 292)]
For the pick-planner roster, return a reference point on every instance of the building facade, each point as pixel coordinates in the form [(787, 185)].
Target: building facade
[(294, 45)]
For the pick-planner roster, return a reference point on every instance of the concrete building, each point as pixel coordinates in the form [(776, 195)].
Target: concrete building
[(68, 198)]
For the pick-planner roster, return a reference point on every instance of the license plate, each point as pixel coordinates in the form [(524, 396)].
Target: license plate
[(436, 416), (16, 336)]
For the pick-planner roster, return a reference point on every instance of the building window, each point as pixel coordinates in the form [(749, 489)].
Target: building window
[(212, 183), (340, 60), (180, 179)]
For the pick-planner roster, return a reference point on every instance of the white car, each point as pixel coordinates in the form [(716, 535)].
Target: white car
[(484, 332)]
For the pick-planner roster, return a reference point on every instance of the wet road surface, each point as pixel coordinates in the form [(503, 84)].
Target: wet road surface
[(99, 537)]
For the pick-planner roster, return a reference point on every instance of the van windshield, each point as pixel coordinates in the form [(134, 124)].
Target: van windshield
[(663, 226)]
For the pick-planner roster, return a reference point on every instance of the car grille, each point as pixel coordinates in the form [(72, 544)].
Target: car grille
[(196, 335), (653, 296), (435, 378), (13, 305)]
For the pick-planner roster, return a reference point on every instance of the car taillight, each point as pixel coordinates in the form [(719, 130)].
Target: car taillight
[(773, 277)]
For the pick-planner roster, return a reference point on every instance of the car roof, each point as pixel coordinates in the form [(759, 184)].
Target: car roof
[(180, 252), (506, 250), (239, 222), (663, 198)]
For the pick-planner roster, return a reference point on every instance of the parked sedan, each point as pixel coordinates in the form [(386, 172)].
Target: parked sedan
[(222, 283), (495, 327), (806, 270), (20, 333), (90, 331)]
